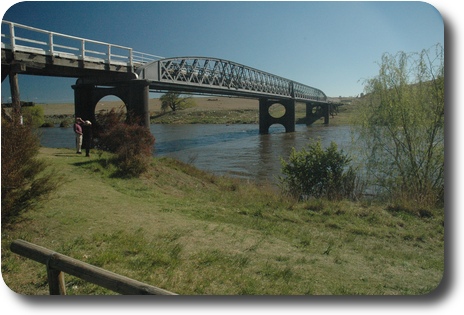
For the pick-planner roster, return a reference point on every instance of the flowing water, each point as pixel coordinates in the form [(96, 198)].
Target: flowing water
[(235, 150)]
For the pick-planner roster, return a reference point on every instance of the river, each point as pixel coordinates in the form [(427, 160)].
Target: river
[(235, 150)]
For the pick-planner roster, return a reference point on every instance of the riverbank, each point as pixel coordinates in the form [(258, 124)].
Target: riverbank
[(190, 232), (207, 110)]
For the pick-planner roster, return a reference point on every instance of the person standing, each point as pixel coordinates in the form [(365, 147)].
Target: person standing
[(87, 136), (79, 134)]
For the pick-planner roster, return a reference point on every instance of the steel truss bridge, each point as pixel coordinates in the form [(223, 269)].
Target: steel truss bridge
[(105, 69), (213, 75)]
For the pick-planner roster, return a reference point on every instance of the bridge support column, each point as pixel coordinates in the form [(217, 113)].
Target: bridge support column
[(14, 89), (137, 102), (315, 111), (85, 101), (133, 93), (266, 120), (12, 72)]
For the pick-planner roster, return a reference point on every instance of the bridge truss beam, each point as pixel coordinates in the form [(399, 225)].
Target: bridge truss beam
[(218, 76), (223, 77)]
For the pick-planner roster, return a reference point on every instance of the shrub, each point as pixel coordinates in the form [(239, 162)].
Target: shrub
[(33, 115), (131, 142), (24, 182), (402, 128), (315, 172)]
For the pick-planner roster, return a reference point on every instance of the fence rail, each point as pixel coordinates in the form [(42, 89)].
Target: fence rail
[(58, 264), (18, 37)]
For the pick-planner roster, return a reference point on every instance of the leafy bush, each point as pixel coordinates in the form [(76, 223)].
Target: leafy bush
[(33, 115), (402, 127), (315, 172), (131, 142), (24, 182)]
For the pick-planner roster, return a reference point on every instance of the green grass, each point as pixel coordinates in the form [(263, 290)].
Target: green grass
[(190, 232), (208, 117), (247, 116)]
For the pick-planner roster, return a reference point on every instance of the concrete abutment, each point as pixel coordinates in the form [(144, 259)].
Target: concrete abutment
[(266, 120), (315, 111), (134, 94)]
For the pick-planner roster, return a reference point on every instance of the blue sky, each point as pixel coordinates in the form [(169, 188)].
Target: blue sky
[(333, 46)]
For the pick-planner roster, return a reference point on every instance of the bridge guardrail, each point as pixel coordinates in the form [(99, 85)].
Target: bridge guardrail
[(18, 37), (144, 58)]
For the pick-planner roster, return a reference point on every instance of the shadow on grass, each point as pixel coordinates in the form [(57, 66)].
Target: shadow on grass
[(66, 154), (104, 164)]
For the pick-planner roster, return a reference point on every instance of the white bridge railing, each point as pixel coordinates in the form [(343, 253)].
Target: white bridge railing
[(199, 72), (18, 37)]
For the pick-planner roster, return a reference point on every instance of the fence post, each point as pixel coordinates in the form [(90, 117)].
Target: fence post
[(83, 49), (58, 264), (50, 43), (12, 37), (56, 283), (109, 53)]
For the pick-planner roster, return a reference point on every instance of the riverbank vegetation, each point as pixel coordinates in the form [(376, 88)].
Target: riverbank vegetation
[(315, 172), (191, 232), (26, 179), (129, 141), (401, 127)]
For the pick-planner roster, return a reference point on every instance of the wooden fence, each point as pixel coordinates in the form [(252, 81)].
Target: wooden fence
[(58, 264)]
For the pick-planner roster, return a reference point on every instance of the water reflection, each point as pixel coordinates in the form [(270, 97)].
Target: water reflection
[(237, 150)]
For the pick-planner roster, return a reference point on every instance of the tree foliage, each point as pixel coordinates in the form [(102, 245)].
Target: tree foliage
[(24, 178), (315, 172), (402, 126), (174, 101), (33, 115)]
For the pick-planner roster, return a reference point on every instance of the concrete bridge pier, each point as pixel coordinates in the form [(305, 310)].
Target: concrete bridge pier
[(266, 120), (315, 111), (134, 94)]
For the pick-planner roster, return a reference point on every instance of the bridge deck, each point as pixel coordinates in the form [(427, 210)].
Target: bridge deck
[(39, 52)]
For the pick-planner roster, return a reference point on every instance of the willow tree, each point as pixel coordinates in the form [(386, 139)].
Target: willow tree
[(402, 126)]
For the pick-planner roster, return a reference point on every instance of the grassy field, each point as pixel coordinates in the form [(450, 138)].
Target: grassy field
[(193, 233), (207, 110)]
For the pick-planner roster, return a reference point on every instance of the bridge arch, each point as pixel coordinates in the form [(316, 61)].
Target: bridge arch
[(110, 102), (134, 95), (277, 110), (266, 120)]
